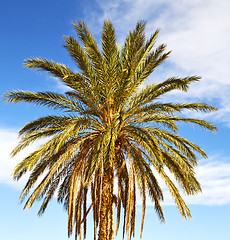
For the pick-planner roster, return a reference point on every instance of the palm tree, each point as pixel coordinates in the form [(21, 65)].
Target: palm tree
[(111, 130)]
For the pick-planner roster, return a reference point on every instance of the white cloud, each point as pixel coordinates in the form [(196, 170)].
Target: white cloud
[(9, 140), (214, 177), (199, 39)]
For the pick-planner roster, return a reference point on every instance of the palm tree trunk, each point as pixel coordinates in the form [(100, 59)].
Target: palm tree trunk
[(106, 225)]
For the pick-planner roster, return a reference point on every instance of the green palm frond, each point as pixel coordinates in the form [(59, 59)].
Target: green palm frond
[(79, 55), (90, 44), (48, 99), (55, 69), (155, 90), (44, 122), (170, 108)]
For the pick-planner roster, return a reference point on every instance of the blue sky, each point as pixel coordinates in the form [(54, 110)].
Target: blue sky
[(197, 32)]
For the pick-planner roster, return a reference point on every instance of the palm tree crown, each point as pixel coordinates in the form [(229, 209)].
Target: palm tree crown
[(110, 129)]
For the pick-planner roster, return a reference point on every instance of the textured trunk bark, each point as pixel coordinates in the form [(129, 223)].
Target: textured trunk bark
[(106, 225)]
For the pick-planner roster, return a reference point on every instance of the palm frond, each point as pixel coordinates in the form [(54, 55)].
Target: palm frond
[(47, 99)]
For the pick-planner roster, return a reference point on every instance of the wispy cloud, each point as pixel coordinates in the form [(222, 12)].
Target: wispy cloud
[(213, 175), (9, 140)]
